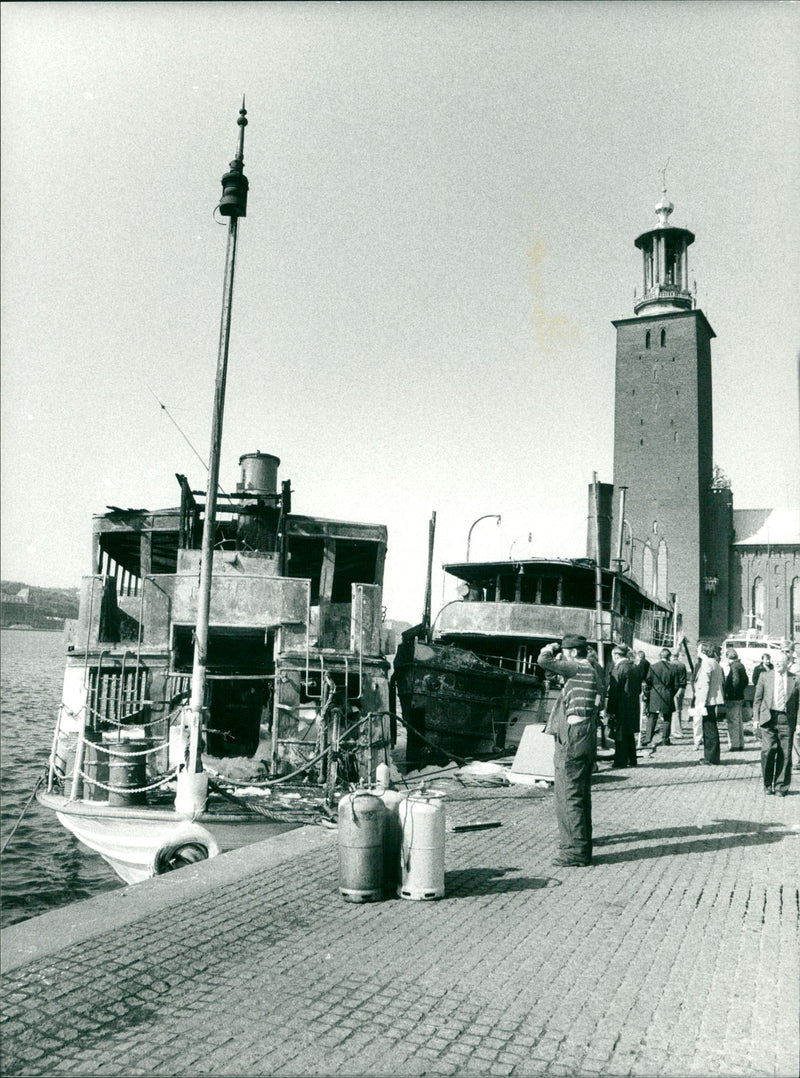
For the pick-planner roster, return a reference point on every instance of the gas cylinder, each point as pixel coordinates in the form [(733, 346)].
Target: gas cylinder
[(422, 820), (392, 837), (362, 818)]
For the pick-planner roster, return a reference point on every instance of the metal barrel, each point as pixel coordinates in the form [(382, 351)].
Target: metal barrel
[(127, 772), (95, 768)]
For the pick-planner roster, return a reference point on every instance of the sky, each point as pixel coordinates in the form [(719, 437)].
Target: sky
[(443, 203)]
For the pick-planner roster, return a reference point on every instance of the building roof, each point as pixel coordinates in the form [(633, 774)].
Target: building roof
[(766, 527)]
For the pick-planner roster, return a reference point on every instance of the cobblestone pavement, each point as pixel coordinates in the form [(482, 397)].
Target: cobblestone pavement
[(675, 954)]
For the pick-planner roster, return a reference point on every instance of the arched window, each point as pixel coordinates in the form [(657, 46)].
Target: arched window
[(794, 608), (757, 601), (647, 339), (661, 572), (663, 337), (647, 568)]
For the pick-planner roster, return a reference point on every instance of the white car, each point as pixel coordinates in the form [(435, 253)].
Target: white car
[(749, 650)]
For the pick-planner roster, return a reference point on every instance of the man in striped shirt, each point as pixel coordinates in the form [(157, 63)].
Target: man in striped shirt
[(574, 726)]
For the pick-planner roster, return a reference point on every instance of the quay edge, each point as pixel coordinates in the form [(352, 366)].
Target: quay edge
[(56, 930)]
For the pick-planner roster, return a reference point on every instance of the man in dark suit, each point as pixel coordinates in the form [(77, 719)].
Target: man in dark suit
[(775, 710), (622, 706), (659, 697)]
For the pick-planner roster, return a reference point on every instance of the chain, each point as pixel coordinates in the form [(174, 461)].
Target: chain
[(129, 789)]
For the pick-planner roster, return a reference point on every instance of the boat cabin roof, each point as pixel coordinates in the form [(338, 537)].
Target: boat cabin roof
[(479, 573), (473, 572)]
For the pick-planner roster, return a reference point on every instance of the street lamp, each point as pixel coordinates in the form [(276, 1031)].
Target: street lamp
[(486, 516)]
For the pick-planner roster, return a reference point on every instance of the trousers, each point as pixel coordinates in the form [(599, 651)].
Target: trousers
[(573, 762), (710, 735), (776, 752), (733, 720)]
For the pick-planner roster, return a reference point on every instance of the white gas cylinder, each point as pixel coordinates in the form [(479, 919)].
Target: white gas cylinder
[(422, 819)]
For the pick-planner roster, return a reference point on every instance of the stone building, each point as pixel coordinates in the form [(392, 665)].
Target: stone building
[(674, 526)]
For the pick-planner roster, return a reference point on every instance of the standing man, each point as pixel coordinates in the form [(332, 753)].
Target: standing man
[(762, 668), (736, 681), (775, 709), (708, 695), (659, 694), (622, 706), (642, 668), (575, 731), (680, 691)]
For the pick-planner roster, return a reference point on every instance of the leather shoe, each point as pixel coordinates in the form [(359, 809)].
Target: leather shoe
[(769, 791), (566, 862)]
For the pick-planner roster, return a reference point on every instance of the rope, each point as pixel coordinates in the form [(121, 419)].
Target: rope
[(128, 789), (94, 713), (39, 782), (110, 750), (460, 760)]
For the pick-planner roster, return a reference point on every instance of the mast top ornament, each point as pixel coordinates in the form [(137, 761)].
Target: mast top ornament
[(234, 183)]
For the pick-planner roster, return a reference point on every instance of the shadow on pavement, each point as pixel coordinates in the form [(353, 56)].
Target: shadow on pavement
[(718, 827), (715, 840), (467, 882)]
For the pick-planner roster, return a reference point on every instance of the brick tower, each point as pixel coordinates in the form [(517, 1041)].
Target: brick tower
[(675, 536)]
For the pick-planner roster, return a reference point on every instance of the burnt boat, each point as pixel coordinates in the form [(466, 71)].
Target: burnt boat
[(294, 667), (224, 648), (471, 684)]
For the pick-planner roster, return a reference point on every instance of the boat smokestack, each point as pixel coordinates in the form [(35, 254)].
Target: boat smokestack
[(601, 502), (259, 474)]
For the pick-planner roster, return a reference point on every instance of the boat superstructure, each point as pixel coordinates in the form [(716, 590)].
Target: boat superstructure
[(471, 684), (294, 656)]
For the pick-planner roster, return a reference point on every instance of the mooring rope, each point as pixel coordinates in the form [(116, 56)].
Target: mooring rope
[(39, 782)]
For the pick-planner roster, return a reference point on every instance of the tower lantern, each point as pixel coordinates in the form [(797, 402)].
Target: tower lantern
[(666, 265)]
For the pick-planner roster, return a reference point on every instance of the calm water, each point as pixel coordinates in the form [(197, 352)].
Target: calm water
[(44, 866)]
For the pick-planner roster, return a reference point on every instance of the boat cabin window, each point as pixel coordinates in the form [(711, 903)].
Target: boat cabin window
[(508, 588), (579, 590), (305, 562), (356, 563), (550, 590), (529, 588)]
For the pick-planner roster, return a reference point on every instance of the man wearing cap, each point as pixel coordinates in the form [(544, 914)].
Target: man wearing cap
[(775, 710), (574, 724)]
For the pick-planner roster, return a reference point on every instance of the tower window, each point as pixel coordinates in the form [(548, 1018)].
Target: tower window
[(641, 441), (647, 339), (663, 337)]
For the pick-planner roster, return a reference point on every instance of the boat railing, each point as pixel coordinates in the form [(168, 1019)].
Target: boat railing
[(93, 754)]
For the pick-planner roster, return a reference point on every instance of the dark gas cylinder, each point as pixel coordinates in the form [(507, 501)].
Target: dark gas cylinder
[(362, 818)]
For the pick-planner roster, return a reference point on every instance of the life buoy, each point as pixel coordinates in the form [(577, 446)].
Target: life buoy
[(188, 844)]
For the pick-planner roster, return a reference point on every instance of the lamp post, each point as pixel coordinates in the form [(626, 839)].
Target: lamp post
[(486, 516)]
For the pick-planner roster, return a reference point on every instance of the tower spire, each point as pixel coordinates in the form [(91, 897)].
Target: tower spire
[(665, 262)]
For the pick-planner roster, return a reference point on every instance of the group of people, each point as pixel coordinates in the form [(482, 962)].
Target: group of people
[(639, 700)]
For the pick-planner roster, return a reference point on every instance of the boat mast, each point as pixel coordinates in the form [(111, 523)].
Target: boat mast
[(426, 616), (233, 205), (598, 578)]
